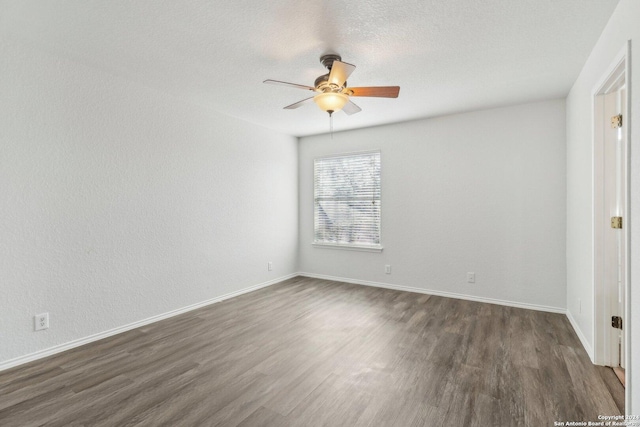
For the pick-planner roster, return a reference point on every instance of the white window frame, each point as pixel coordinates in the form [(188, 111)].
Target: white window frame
[(346, 246)]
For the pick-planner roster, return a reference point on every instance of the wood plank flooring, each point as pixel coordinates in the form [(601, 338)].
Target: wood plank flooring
[(310, 352)]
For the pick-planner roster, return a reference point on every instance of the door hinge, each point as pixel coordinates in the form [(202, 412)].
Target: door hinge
[(616, 322), (616, 121), (616, 222)]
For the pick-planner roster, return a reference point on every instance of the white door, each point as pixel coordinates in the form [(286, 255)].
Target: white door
[(614, 205)]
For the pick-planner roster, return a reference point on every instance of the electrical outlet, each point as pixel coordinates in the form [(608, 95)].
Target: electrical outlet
[(387, 269), (269, 266), (41, 321), (471, 277)]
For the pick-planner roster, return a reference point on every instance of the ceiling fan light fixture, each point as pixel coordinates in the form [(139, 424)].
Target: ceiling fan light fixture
[(331, 101)]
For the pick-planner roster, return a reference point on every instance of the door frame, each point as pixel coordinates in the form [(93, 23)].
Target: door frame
[(621, 66)]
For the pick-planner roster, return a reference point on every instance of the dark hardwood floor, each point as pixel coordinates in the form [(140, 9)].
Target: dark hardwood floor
[(310, 352)]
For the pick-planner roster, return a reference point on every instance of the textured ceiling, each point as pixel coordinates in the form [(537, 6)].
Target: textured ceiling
[(447, 56)]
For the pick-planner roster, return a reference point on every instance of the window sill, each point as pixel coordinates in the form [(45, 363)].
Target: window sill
[(348, 247)]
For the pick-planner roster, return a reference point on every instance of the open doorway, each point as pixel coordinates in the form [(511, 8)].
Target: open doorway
[(610, 216)]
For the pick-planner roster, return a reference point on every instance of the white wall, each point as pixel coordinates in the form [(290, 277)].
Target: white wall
[(118, 203), (623, 25), (479, 192)]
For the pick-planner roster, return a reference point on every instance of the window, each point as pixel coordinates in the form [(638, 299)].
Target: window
[(347, 201)]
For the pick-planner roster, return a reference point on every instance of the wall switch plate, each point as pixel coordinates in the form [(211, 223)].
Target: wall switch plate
[(269, 266), (41, 321), (471, 277), (387, 269)]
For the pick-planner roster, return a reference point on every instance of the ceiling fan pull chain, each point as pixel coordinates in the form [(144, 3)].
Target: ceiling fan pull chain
[(331, 123)]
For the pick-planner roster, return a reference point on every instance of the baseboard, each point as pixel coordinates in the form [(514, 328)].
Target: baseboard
[(101, 335), (581, 336), (439, 293)]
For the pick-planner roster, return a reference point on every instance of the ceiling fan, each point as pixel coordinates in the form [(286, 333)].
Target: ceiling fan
[(332, 93)]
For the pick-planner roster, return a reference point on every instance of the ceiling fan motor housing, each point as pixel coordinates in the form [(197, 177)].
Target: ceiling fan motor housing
[(322, 84), (322, 80)]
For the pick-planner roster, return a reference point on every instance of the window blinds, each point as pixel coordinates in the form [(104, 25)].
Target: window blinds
[(347, 200)]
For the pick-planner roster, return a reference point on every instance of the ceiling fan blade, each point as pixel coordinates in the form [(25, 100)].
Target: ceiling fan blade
[(298, 104), (340, 71), (351, 108), (279, 83), (378, 91)]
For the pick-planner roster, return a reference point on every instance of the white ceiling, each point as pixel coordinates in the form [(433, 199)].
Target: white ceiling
[(447, 56)]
